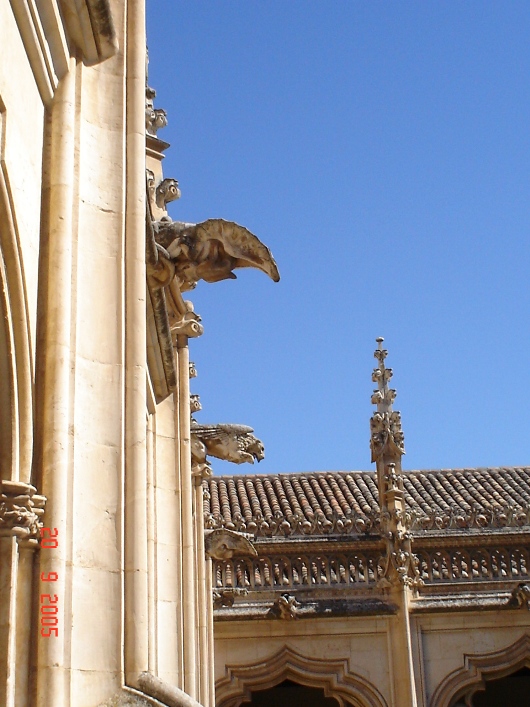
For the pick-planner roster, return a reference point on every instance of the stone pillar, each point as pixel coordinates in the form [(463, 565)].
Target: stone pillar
[(54, 360), (203, 599), (188, 533), (136, 563)]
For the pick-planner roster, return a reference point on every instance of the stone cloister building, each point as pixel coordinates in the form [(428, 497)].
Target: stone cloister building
[(129, 575), (373, 588)]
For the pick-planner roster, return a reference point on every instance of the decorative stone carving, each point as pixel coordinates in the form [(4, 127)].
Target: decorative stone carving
[(151, 185), (287, 606), (464, 682), (168, 190), (399, 564), (226, 597), (334, 675), (211, 250), (155, 118), (520, 596), (193, 370), (456, 518), (187, 322), (21, 510), (160, 271), (223, 544), (298, 525), (195, 404), (232, 443)]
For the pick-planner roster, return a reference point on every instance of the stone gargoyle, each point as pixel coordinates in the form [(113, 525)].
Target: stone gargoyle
[(232, 443), (223, 544), (211, 250)]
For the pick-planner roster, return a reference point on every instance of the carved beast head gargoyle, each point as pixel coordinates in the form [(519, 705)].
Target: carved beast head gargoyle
[(211, 250), (232, 443)]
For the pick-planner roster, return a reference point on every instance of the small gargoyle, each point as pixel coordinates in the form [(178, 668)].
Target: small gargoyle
[(223, 544), (211, 250)]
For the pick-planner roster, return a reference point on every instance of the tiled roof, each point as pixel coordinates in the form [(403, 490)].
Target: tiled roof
[(324, 503)]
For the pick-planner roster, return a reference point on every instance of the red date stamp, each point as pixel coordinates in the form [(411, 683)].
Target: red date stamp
[(49, 602)]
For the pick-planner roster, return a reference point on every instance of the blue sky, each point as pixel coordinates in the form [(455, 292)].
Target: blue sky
[(382, 151)]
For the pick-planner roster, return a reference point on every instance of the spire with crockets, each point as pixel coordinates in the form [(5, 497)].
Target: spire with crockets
[(387, 439), (399, 565)]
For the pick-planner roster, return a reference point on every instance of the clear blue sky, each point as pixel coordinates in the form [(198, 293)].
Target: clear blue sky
[(382, 151)]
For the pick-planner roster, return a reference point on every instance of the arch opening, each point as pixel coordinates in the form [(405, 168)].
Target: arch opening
[(512, 690), (292, 694)]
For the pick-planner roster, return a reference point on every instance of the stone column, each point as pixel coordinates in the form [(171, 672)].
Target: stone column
[(188, 533), (54, 361), (203, 598), (136, 570)]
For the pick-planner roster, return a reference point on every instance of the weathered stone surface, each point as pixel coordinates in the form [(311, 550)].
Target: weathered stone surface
[(211, 250)]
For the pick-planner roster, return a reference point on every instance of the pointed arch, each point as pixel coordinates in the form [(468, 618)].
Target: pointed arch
[(331, 675), (465, 681)]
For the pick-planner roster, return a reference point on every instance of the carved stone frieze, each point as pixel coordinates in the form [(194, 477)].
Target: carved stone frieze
[(21, 510), (297, 524), (211, 250), (456, 518)]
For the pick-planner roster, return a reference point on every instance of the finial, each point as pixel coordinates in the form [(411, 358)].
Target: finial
[(385, 424), (383, 397)]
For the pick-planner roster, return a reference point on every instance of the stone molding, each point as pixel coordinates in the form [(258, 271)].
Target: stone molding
[(470, 678), (331, 675)]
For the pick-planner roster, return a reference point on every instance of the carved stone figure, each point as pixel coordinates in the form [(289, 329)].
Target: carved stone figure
[(223, 544), (195, 403), (155, 118), (168, 190), (520, 596), (226, 597), (233, 443), (287, 606), (211, 250), (21, 510)]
